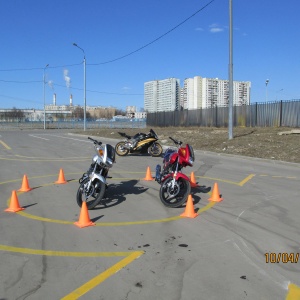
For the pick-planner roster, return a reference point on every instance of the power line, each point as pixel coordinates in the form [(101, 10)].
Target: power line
[(20, 99), (155, 40), (39, 68), (91, 91), (74, 88), (14, 81), (123, 56)]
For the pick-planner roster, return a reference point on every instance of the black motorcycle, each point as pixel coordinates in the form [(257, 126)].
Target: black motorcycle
[(139, 143)]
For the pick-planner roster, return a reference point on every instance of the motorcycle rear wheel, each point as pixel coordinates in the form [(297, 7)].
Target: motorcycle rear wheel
[(177, 196), (120, 149), (155, 150), (94, 199)]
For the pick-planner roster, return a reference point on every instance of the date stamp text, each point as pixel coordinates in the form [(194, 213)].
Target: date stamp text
[(282, 257)]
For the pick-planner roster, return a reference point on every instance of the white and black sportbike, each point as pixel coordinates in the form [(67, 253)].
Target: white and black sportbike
[(93, 183)]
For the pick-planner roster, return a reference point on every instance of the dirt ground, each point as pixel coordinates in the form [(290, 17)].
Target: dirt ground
[(275, 143)]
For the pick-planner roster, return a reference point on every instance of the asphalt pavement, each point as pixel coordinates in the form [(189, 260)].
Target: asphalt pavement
[(244, 247)]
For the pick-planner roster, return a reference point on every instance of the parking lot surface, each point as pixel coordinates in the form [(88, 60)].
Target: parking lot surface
[(244, 247)]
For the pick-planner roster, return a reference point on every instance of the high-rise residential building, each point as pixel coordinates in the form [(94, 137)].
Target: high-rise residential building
[(197, 92), (192, 93), (201, 92), (162, 95)]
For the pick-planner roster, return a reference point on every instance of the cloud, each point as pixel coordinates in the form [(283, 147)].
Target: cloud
[(126, 88), (199, 29), (214, 28)]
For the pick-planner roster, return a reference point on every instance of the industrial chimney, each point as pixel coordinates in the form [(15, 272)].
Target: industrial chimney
[(54, 99), (71, 100)]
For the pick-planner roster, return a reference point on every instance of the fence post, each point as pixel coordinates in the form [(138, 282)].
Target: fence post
[(256, 114), (280, 114)]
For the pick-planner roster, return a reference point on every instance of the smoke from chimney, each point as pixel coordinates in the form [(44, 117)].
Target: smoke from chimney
[(67, 78)]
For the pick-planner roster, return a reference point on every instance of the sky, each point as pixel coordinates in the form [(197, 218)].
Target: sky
[(129, 42)]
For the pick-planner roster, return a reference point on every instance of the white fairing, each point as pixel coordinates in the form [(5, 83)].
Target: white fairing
[(108, 157), (99, 177)]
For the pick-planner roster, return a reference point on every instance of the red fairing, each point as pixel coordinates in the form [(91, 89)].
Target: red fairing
[(173, 158), (184, 156)]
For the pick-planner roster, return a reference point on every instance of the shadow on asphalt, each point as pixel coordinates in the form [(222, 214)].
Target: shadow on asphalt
[(117, 193)]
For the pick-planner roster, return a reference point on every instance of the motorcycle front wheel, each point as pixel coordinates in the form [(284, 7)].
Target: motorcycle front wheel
[(120, 149), (95, 195), (174, 196), (155, 150)]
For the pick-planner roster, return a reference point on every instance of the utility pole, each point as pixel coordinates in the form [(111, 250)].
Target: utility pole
[(84, 84), (44, 82), (230, 102)]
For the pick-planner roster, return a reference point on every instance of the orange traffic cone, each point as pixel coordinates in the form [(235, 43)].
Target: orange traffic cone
[(61, 177), (14, 205), (189, 209), (84, 219), (193, 180), (25, 186), (148, 175), (215, 196)]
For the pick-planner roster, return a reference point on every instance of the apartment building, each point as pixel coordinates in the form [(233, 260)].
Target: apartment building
[(201, 92), (192, 93), (162, 95)]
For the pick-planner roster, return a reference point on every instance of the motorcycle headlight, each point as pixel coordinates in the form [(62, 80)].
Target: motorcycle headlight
[(100, 151), (191, 161)]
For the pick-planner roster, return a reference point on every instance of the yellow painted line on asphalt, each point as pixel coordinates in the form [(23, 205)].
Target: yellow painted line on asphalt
[(217, 179), (206, 207), (294, 292), (85, 288), (241, 183), (107, 224), (142, 222), (37, 218), (278, 176), (103, 276), (246, 179), (62, 253), (42, 176), (5, 145), (75, 157), (45, 159)]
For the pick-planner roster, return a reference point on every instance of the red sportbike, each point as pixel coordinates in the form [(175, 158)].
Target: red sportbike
[(175, 186)]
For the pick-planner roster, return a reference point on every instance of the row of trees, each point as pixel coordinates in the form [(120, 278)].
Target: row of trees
[(77, 114), (15, 114)]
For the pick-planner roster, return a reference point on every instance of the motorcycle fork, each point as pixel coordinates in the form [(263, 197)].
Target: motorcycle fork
[(90, 181), (174, 175)]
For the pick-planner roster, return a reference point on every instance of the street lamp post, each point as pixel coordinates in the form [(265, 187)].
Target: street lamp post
[(230, 71), (84, 84), (44, 96), (267, 81)]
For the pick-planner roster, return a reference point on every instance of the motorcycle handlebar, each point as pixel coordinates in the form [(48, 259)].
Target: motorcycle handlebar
[(95, 141), (175, 141)]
